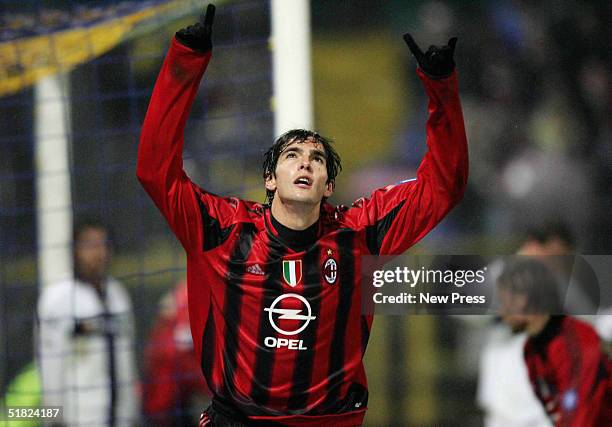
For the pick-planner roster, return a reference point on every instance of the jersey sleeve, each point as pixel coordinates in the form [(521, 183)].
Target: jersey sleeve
[(398, 216), (197, 217), (581, 378)]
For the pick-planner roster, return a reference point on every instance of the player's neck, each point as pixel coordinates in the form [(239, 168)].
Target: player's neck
[(537, 323), (296, 216), (95, 281)]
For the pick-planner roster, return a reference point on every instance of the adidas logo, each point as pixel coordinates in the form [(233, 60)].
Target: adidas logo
[(255, 269)]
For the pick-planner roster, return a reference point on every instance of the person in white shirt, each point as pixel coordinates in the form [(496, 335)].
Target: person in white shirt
[(85, 339)]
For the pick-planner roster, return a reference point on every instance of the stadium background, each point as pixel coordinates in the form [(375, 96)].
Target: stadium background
[(536, 89)]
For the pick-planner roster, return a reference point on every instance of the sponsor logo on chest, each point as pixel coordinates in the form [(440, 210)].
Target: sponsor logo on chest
[(297, 319)]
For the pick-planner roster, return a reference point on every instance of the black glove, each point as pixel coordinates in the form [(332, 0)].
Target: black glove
[(438, 61), (198, 36)]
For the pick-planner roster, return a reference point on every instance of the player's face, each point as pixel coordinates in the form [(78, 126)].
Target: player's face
[(301, 174), (512, 310), (92, 254), (553, 247)]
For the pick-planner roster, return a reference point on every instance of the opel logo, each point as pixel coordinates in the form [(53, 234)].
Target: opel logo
[(290, 314)]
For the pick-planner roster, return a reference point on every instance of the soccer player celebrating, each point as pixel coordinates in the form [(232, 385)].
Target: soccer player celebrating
[(274, 288), (568, 370)]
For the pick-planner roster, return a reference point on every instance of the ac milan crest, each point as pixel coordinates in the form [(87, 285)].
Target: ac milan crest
[(330, 271)]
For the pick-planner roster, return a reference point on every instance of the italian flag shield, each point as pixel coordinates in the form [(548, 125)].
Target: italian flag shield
[(292, 272)]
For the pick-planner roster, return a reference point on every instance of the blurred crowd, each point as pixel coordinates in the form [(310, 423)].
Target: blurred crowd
[(43, 17), (536, 83)]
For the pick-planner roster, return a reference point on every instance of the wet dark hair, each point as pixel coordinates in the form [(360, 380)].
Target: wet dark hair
[(85, 223), (530, 277), (332, 159), (552, 230)]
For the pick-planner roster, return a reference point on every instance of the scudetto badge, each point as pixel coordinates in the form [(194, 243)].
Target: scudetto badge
[(292, 272), (330, 271)]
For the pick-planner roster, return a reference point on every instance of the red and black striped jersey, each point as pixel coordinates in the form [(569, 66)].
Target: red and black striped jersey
[(280, 333), (570, 374)]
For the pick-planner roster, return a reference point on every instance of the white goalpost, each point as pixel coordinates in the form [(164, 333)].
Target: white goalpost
[(291, 69), (53, 190)]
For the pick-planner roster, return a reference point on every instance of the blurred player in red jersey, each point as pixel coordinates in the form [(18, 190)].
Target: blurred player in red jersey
[(568, 369), (274, 289), (173, 383)]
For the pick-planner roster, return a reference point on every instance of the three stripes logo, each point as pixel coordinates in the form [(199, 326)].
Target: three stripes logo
[(292, 272)]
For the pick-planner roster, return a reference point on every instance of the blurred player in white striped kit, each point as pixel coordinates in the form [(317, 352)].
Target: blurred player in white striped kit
[(85, 339)]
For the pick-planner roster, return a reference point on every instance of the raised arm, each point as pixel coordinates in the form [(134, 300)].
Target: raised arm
[(160, 153), (398, 216)]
